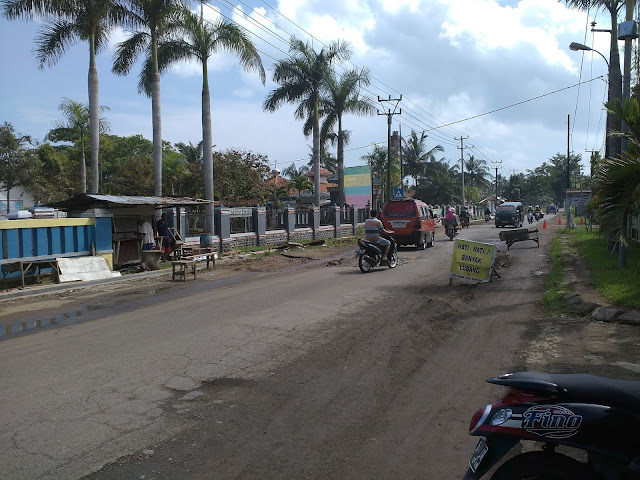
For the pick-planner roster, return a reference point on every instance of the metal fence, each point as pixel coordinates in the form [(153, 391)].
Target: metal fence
[(302, 217), (275, 219)]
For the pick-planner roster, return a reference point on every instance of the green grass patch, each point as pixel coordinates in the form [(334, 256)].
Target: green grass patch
[(554, 295), (619, 286)]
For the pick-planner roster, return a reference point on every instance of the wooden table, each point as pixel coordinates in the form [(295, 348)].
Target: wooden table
[(182, 268), (30, 265)]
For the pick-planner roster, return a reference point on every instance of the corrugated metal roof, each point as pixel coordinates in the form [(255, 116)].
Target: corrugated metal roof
[(84, 199)]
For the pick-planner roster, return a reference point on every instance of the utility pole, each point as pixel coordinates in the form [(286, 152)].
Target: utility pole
[(389, 113), (400, 153), (497, 164), (461, 148)]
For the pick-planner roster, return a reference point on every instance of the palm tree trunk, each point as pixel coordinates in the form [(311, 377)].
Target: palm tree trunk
[(94, 119), (342, 198), (83, 166), (316, 153), (156, 120), (207, 155)]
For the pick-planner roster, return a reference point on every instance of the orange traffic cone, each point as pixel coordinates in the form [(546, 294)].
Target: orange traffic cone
[(581, 220), (559, 220), (544, 225)]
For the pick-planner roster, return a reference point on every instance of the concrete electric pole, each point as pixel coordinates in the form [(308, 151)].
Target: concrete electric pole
[(389, 113)]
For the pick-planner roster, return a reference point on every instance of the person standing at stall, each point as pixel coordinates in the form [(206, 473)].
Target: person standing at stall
[(147, 234), (163, 231)]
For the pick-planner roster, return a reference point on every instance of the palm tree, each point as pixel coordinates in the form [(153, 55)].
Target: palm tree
[(476, 170), (276, 193), (191, 152), (199, 41), (155, 20), (327, 160), (343, 96), (68, 21), (615, 76), (300, 183), (301, 77), (75, 129), (293, 171), (415, 155)]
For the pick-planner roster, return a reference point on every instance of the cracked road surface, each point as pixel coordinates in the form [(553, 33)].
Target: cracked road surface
[(311, 371)]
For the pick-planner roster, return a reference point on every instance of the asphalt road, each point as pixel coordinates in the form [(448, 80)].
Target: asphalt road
[(320, 372)]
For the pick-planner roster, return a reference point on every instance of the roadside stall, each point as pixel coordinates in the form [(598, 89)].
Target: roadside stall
[(128, 213)]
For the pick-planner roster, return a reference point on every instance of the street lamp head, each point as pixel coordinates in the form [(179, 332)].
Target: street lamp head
[(575, 46)]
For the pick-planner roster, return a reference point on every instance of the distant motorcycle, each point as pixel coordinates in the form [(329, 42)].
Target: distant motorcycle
[(530, 217), (487, 218), (370, 255), (464, 222), (537, 215), (450, 229)]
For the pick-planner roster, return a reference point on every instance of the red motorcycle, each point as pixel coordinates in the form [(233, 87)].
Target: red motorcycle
[(595, 415)]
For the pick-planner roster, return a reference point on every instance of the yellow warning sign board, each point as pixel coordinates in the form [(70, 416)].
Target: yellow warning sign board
[(472, 261)]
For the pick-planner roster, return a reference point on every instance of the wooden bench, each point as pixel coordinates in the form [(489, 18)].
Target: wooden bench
[(26, 265), (182, 268), (209, 257)]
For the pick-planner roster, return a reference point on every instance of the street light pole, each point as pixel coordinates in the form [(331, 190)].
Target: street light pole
[(608, 145)]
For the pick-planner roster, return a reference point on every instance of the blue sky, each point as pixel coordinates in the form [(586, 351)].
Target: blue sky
[(450, 59)]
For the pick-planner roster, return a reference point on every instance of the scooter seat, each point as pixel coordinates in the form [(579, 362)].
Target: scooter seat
[(576, 387)]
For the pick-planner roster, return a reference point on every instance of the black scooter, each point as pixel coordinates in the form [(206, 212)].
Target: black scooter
[(370, 255), (599, 416)]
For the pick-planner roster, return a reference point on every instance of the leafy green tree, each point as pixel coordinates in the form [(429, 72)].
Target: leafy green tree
[(440, 183), (131, 154), (558, 172), (154, 21), (54, 177), (74, 129), (199, 40), (415, 155), (239, 175), (342, 95), (67, 21), (174, 170), (16, 161), (302, 76)]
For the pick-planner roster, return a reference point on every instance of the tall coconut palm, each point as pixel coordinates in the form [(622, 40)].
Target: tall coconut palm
[(154, 20), (301, 77), (614, 122), (342, 96), (74, 129), (66, 22), (300, 183), (416, 156), (199, 40), (191, 152), (476, 170)]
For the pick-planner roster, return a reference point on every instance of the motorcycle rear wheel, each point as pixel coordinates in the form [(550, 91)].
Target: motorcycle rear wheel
[(541, 466), (363, 264), (394, 260)]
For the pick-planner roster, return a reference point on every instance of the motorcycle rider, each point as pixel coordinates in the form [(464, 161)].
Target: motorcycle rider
[(450, 219), (373, 227), (487, 212), (465, 215)]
